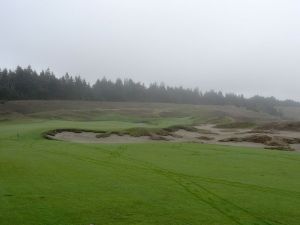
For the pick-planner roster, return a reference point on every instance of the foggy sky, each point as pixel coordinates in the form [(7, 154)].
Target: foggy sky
[(242, 46)]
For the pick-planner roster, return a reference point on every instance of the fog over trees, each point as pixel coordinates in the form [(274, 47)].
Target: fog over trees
[(25, 84)]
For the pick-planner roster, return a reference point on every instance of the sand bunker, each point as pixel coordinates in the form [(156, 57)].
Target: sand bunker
[(90, 137), (208, 133)]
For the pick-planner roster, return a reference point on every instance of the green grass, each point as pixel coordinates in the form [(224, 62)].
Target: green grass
[(46, 182)]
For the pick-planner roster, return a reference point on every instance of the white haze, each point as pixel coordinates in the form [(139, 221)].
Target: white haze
[(242, 46)]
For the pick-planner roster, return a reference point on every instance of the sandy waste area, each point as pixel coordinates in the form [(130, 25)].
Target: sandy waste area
[(207, 133)]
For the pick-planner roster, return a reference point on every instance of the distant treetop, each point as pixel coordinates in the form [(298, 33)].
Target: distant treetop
[(25, 84)]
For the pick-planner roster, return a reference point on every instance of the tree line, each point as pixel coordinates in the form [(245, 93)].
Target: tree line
[(25, 84)]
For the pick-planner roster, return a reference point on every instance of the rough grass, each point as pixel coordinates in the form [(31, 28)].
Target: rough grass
[(290, 113), (126, 111)]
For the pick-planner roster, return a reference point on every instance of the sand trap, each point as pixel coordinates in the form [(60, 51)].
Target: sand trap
[(296, 147), (179, 136), (89, 137), (207, 133), (186, 135), (221, 134)]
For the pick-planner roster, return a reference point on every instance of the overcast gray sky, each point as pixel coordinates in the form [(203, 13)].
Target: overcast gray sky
[(242, 46)]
